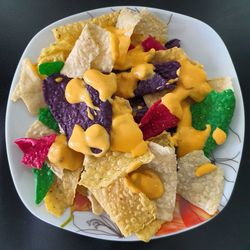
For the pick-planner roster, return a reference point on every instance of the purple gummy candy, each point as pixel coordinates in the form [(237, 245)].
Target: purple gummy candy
[(139, 108), (168, 70), (66, 114), (173, 43), (152, 85)]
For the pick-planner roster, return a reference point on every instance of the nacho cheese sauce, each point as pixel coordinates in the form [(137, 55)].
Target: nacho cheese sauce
[(62, 156), (76, 92), (186, 138), (204, 169), (95, 136), (127, 81), (125, 133), (192, 83), (145, 181), (105, 84), (219, 136)]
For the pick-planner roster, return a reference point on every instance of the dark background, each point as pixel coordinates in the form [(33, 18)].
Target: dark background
[(19, 22)]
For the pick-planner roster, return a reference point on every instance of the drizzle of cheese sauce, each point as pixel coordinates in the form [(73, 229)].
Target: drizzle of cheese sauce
[(64, 157), (219, 136), (145, 181), (95, 136), (125, 133), (204, 169), (105, 84)]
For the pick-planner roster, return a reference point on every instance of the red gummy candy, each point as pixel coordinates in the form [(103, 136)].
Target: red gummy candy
[(35, 150), (157, 119), (152, 43), (131, 46)]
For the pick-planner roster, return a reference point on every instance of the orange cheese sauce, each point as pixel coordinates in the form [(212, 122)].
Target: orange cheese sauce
[(127, 81), (125, 133), (145, 181), (204, 169), (105, 84), (95, 136), (219, 136), (64, 157), (186, 138)]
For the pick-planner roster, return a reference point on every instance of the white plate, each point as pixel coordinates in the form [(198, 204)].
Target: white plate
[(202, 43)]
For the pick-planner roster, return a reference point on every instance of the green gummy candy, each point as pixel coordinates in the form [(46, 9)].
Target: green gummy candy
[(217, 110), (49, 68), (46, 117), (44, 179)]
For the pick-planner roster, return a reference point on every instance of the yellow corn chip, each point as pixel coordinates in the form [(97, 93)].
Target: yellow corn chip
[(150, 99), (220, 84), (151, 25), (67, 35), (29, 88), (205, 191), (164, 164), (102, 171), (162, 139), (173, 54), (130, 211), (149, 231), (95, 206), (38, 129), (62, 192)]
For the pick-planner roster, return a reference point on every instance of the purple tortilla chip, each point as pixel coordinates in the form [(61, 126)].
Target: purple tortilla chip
[(139, 108), (168, 70), (66, 114), (152, 85), (173, 43)]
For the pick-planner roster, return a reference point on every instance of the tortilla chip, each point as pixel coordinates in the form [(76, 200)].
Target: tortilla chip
[(56, 170), (29, 88), (95, 206), (79, 59), (220, 84), (149, 231), (205, 191), (162, 139), (174, 54), (130, 211), (150, 99), (38, 130), (104, 60), (151, 25), (127, 20), (62, 193), (102, 171), (66, 36), (164, 164)]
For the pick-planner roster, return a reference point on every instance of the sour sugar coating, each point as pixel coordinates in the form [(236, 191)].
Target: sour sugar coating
[(217, 110), (156, 120), (47, 119), (66, 114), (151, 43), (168, 70), (173, 43), (44, 179), (35, 150), (50, 68)]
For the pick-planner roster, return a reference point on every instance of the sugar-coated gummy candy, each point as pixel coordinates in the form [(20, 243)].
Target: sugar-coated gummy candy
[(44, 179), (50, 68), (46, 117), (151, 43)]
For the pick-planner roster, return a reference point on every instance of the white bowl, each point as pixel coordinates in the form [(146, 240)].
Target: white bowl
[(202, 43)]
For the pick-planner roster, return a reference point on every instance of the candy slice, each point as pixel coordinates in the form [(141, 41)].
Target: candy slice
[(156, 120), (44, 179), (49, 68), (217, 110), (35, 150), (47, 119), (151, 43), (139, 108)]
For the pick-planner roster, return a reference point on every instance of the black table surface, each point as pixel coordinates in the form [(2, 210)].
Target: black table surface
[(19, 229)]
